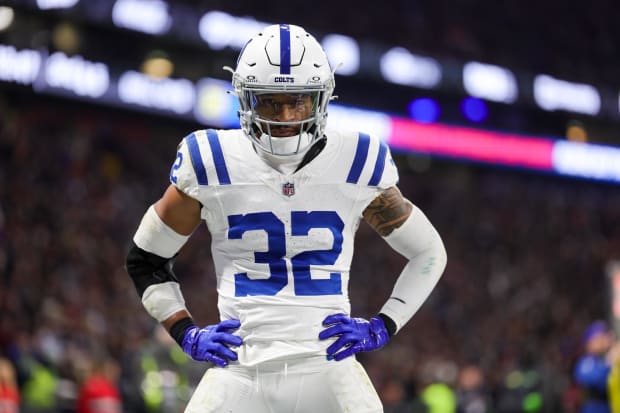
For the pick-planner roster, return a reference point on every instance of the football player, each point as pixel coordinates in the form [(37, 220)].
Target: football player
[(282, 198)]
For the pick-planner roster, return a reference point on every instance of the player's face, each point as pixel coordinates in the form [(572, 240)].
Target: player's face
[(284, 107)]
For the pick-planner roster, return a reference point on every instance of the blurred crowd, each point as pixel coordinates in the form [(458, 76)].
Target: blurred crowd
[(501, 333)]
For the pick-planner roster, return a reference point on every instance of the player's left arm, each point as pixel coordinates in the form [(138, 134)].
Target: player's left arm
[(388, 211), (409, 232)]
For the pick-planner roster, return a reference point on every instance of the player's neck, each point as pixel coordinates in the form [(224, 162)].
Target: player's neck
[(283, 164)]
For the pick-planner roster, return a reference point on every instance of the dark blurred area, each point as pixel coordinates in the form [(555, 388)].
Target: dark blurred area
[(526, 252), (570, 41)]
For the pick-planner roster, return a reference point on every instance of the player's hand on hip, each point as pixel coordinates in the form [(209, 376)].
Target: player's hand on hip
[(212, 343), (353, 335)]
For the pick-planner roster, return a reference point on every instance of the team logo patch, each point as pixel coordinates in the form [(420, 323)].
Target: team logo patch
[(288, 189)]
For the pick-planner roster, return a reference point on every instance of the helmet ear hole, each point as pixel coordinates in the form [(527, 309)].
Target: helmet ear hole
[(283, 60)]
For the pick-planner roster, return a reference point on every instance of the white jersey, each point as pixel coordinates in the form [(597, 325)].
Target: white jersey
[(281, 243)]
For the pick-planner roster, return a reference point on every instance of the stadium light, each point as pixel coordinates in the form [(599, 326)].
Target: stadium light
[(489, 82), (554, 94), (7, 15), (214, 105), (400, 66), (343, 52), (221, 30), (424, 110), (56, 4), (584, 160), (474, 109), (171, 95), (19, 66), (77, 75), (146, 16), (66, 37), (157, 64)]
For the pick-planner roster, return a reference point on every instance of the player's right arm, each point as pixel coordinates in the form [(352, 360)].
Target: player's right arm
[(181, 213), (178, 210), (164, 229)]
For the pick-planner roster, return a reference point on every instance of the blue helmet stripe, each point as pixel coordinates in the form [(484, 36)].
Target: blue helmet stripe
[(361, 153), (194, 154), (285, 49), (218, 157), (377, 173)]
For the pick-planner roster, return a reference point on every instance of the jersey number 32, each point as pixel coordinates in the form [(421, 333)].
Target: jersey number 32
[(301, 224)]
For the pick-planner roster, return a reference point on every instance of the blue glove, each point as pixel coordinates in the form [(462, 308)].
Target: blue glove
[(354, 335), (211, 343)]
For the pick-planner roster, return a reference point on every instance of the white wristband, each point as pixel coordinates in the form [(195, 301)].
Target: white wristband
[(154, 236), (163, 300)]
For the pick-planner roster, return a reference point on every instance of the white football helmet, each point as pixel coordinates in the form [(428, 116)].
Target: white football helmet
[(283, 59)]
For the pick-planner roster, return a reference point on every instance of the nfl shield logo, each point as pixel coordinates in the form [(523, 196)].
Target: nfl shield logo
[(288, 189)]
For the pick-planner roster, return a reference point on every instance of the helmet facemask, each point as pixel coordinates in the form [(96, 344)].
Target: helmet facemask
[(305, 88), (300, 124)]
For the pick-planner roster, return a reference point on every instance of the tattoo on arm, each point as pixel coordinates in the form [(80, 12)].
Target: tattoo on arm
[(388, 211)]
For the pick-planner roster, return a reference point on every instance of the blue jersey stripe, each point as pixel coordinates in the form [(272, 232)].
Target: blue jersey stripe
[(218, 157), (285, 49), (377, 173), (194, 154), (361, 153)]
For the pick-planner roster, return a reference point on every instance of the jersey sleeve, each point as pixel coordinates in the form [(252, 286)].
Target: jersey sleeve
[(369, 162), (389, 177), (182, 173)]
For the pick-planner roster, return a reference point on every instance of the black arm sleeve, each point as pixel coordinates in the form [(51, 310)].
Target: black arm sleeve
[(146, 269)]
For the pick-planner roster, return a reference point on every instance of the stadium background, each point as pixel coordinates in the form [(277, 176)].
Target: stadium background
[(528, 249)]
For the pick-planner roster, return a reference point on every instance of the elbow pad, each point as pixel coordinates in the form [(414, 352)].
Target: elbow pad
[(155, 282), (150, 264), (418, 241), (146, 269)]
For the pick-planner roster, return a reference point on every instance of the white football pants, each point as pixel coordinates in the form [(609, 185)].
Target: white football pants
[(298, 386)]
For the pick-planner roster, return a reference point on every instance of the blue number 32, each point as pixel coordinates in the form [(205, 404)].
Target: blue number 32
[(301, 224)]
